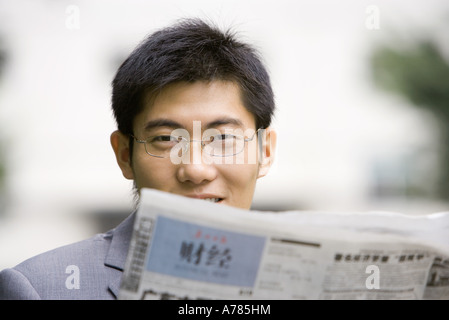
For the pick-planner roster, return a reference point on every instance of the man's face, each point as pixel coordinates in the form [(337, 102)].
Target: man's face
[(214, 105)]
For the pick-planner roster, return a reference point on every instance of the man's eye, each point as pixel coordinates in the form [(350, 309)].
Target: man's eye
[(221, 137), (164, 139)]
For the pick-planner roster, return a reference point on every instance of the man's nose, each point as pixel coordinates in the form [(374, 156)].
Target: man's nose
[(196, 173), (197, 170)]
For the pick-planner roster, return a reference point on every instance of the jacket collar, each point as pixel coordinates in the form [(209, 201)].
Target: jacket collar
[(118, 251)]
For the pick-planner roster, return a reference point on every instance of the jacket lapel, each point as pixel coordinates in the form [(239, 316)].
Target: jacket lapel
[(116, 256)]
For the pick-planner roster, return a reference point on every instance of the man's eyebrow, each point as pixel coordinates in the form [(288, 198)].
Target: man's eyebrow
[(224, 121), (175, 125), (162, 123)]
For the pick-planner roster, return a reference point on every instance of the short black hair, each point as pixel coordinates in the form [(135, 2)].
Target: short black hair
[(188, 51)]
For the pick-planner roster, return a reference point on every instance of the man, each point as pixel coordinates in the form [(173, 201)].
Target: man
[(193, 107)]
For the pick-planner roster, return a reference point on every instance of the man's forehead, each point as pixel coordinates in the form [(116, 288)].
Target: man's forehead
[(214, 103), (185, 89)]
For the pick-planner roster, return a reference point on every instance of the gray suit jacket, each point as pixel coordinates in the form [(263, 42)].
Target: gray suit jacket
[(90, 269)]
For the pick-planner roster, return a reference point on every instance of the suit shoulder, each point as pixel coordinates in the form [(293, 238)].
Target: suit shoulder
[(88, 269), (15, 286), (53, 274), (92, 249)]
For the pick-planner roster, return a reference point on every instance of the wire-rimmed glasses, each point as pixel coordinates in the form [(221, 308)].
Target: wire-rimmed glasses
[(216, 145)]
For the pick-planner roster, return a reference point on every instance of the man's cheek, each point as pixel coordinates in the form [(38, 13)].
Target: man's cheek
[(243, 178)]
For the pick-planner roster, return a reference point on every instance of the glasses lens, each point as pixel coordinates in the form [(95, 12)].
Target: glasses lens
[(221, 145), (163, 145)]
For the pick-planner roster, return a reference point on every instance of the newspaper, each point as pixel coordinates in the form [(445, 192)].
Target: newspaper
[(185, 248)]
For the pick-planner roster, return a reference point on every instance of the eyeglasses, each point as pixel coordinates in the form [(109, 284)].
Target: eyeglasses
[(217, 145)]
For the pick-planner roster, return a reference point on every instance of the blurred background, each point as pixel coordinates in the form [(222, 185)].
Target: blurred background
[(362, 90)]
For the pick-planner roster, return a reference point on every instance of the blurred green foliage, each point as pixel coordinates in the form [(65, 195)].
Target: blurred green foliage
[(420, 73)]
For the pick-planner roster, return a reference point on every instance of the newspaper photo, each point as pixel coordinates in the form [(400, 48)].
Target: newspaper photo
[(184, 248)]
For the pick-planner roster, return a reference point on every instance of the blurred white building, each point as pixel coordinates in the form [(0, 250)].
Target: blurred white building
[(340, 139)]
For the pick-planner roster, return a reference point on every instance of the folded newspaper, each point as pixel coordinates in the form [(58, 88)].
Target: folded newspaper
[(185, 248)]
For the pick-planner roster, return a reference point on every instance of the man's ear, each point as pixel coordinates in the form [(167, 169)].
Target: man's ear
[(120, 144), (268, 148)]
